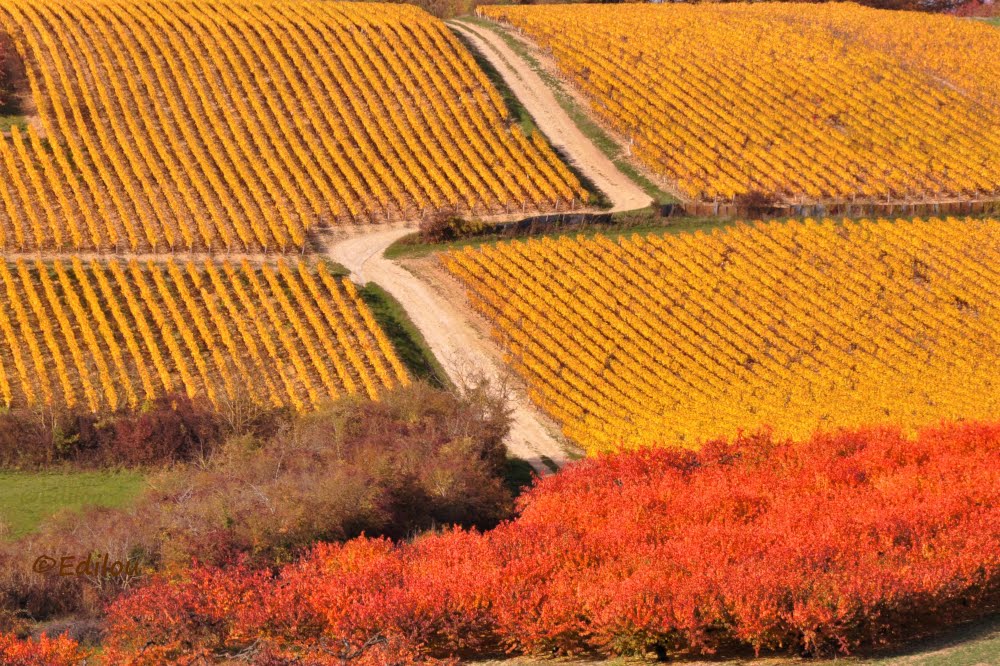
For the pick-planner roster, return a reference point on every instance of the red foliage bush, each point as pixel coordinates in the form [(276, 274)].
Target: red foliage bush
[(852, 538), (172, 428), (61, 651)]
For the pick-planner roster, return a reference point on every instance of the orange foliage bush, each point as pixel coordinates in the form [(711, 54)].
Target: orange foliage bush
[(854, 538), (61, 651)]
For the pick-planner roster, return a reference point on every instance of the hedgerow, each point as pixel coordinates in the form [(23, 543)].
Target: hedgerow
[(851, 539)]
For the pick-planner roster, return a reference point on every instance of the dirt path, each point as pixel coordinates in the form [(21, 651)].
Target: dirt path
[(461, 350), (553, 121)]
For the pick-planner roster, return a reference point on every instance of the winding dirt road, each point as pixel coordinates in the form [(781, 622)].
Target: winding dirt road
[(462, 351), (553, 121)]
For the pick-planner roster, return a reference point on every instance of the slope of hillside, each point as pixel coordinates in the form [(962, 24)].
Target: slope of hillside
[(784, 101), (466, 356), (242, 125), (799, 325)]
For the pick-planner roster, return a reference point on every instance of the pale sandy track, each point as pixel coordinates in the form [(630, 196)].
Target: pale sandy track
[(553, 121), (462, 351)]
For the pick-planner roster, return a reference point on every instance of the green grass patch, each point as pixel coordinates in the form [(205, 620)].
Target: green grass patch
[(407, 340), (976, 644), (335, 269), (973, 644), (994, 21), (594, 132), (9, 121), (28, 498), (518, 475), (626, 224)]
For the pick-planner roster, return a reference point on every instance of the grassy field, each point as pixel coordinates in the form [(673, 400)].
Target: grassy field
[(27, 498)]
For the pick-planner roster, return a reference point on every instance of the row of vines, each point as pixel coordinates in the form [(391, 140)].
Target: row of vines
[(785, 101), (108, 335), (800, 326), (239, 125)]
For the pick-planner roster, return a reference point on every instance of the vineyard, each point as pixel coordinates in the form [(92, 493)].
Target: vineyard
[(328, 334), (799, 326), (789, 102), (100, 336), (237, 125)]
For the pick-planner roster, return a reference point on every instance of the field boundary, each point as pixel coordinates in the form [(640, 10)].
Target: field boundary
[(536, 223), (410, 345), (946, 208)]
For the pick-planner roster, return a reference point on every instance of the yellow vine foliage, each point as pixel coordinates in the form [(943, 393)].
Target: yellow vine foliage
[(243, 124), (799, 326), (104, 335), (799, 102)]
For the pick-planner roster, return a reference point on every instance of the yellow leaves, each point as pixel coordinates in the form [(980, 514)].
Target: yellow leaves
[(801, 325), (279, 335), (794, 102), (243, 127)]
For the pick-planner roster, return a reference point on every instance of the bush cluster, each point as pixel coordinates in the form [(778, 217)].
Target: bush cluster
[(417, 459), (169, 429), (443, 228), (851, 539), (977, 8), (45, 651)]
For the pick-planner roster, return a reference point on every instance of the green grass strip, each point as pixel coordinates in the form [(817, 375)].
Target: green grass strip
[(626, 224), (406, 339)]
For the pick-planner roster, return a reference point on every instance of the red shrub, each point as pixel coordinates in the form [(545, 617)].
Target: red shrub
[(851, 538), (61, 651), (205, 611), (977, 8)]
